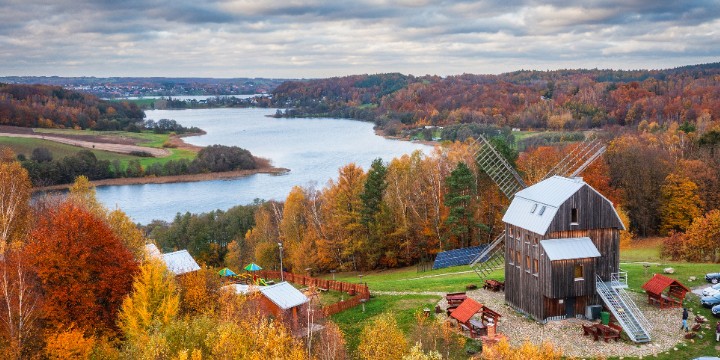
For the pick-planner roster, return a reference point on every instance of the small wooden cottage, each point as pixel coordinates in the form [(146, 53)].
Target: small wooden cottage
[(665, 292), (283, 301), (560, 233)]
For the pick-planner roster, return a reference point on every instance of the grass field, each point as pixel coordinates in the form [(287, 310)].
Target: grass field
[(641, 261), (148, 139)]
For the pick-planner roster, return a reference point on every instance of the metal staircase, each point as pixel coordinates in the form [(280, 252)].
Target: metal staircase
[(632, 320), (495, 166), (491, 258), (578, 159)]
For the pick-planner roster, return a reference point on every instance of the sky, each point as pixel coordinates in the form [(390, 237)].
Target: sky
[(318, 39)]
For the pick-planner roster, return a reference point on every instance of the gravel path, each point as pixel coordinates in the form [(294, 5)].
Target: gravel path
[(567, 334)]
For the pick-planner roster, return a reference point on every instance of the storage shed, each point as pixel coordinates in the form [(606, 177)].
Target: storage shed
[(283, 301), (559, 234)]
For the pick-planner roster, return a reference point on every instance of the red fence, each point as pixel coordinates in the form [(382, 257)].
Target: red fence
[(360, 291)]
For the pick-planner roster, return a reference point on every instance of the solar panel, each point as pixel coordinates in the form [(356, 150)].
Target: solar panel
[(457, 257)]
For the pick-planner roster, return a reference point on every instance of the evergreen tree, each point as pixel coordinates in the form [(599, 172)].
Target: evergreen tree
[(460, 199), (372, 194)]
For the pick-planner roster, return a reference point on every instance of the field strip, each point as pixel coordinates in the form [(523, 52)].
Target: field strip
[(436, 275), (117, 148), (399, 293)]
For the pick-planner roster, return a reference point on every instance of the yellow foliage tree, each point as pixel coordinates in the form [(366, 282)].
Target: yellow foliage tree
[(626, 235), (703, 238), (199, 292), (70, 344), (128, 232), (82, 193), (417, 353), (153, 303), (254, 339), (382, 339), (527, 351), (680, 203), (14, 203)]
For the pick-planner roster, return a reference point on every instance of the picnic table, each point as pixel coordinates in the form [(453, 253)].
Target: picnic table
[(598, 331), (494, 285), (478, 327), (455, 298)]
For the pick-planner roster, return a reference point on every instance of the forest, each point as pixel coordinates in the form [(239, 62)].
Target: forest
[(561, 100), (43, 106), (663, 182)]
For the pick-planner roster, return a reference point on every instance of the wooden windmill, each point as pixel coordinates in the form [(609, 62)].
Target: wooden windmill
[(560, 246)]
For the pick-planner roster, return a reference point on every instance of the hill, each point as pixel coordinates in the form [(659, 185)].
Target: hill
[(560, 99)]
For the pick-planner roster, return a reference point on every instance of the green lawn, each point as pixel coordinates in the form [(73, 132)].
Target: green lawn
[(450, 279), (26, 145)]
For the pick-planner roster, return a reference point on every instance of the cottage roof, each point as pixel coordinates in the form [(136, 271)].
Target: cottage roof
[(284, 295), (570, 248), (180, 262), (534, 208), (152, 250), (659, 283), (466, 310)]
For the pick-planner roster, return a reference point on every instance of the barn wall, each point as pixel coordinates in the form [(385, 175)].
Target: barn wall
[(522, 284), (594, 212), (559, 278), (607, 241)]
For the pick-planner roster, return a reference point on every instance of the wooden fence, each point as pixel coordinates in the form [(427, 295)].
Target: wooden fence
[(360, 291)]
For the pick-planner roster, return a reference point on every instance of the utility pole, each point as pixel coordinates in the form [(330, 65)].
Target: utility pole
[(282, 277)]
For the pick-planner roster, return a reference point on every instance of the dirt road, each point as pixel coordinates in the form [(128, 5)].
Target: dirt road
[(117, 148)]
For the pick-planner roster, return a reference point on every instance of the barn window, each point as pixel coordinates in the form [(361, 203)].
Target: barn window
[(518, 260), (573, 216), (510, 231), (532, 211), (535, 240), (578, 272), (527, 263), (542, 210), (535, 266)]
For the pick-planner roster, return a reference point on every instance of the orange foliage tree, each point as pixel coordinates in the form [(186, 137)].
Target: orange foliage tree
[(83, 268)]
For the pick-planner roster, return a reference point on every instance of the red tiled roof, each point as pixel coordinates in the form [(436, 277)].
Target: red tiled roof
[(659, 283), (466, 310)]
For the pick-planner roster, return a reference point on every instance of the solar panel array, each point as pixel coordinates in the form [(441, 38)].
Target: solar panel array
[(457, 257)]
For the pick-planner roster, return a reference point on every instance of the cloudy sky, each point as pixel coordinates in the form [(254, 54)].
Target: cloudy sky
[(293, 39)]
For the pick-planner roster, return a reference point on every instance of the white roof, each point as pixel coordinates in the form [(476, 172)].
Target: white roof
[(241, 289), (570, 248), (180, 262), (284, 295), (534, 208), (152, 251)]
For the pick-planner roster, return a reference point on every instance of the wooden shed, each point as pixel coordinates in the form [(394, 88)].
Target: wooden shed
[(283, 301), (560, 233), (665, 292)]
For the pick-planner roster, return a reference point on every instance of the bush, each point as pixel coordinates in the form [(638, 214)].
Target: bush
[(141, 153)]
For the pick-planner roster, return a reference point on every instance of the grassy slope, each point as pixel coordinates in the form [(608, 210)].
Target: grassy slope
[(149, 139), (455, 278)]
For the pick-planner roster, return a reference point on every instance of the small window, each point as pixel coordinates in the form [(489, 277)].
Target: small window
[(532, 211), (573, 216), (535, 240), (578, 272), (535, 266), (510, 231), (527, 262), (542, 210), (518, 260)]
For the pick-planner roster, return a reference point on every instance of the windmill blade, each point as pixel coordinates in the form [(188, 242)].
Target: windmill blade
[(498, 168), (578, 159)]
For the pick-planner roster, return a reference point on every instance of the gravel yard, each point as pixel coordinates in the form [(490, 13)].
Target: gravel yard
[(568, 335)]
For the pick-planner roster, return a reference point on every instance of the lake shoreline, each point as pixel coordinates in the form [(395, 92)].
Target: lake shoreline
[(227, 175)]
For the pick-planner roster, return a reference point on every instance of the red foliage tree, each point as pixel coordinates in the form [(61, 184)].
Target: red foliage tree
[(83, 267)]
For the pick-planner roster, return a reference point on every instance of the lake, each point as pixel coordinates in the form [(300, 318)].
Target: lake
[(313, 150)]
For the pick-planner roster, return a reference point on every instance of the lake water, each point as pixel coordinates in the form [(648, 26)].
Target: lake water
[(313, 150)]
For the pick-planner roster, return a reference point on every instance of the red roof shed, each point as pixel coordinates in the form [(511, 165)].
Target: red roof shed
[(665, 291), (466, 310)]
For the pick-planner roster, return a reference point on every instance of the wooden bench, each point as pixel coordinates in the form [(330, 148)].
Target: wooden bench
[(607, 332), (590, 330)]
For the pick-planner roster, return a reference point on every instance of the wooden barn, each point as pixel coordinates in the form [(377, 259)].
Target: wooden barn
[(560, 233)]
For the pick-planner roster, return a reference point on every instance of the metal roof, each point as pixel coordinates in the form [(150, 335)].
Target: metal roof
[(534, 208), (152, 250), (284, 295), (571, 248), (180, 262)]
